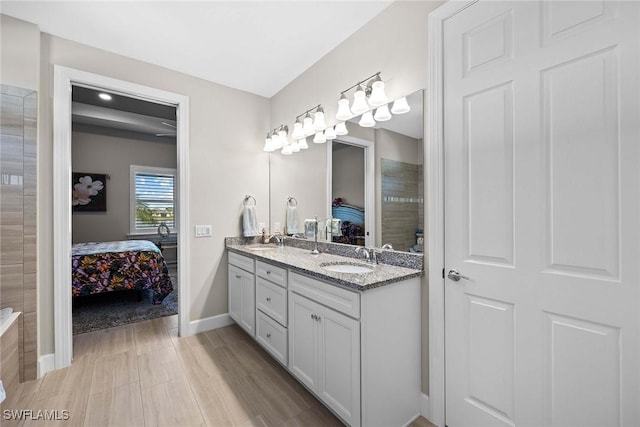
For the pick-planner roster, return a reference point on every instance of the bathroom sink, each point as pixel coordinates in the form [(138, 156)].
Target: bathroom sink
[(347, 267)]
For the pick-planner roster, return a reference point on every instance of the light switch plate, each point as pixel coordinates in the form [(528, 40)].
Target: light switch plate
[(204, 231)]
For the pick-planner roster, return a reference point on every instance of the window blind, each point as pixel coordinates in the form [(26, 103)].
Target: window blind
[(154, 200)]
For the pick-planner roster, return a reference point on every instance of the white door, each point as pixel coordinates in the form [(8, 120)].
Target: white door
[(542, 185)]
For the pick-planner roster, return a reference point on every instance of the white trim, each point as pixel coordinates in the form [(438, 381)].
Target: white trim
[(425, 408), (64, 78), (209, 323), (369, 182), (135, 169), (435, 207), (46, 363)]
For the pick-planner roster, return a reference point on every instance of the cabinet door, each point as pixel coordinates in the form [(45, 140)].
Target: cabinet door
[(339, 380), (235, 294), (248, 304), (303, 341)]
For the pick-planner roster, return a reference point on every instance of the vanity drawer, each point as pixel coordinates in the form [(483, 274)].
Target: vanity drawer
[(339, 299), (241, 261), (272, 273), (272, 336), (272, 300)]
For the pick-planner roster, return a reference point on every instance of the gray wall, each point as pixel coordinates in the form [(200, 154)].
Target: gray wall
[(348, 174), (93, 153)]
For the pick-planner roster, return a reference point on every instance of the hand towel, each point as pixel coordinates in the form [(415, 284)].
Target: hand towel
[(292, 220), (249, 222)]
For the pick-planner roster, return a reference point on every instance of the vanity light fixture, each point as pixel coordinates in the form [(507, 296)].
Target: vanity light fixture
[(282, 134), (286, 150), (400, 106), (367, 121), (359, 101), (268, 144), (330, 133), (344, 113), (308, 125), (302, 144), (105, 96), (318, 120), (320, 138), (378, 97), (341, 129), (297, 133), (382, 113), (295, 146)]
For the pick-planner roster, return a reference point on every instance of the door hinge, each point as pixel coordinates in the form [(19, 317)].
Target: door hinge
[(443, 278)]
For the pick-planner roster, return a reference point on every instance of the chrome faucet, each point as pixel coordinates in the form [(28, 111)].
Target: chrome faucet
[(279, 239), (361, 250), (373, 254)]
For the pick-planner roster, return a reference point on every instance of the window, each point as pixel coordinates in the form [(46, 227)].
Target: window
[(153, 199)]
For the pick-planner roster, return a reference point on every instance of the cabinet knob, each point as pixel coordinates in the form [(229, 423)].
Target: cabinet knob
[(313, 316), (268, 272), (238, 276), (268, 335), (268, 299)]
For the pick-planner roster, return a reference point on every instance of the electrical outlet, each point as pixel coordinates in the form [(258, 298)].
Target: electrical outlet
[(277, 228), (203, 231)]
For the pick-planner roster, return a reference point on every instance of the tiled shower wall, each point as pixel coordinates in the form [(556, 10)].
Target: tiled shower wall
[(402, 203), (18, 143)]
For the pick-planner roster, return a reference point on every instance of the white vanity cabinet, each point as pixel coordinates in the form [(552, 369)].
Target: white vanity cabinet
[(358, 352), (271, 310), (242, 291)]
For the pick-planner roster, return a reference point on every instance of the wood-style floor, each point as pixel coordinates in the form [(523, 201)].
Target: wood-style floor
[(143, 374)]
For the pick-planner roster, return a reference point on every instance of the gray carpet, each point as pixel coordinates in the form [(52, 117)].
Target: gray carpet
[(110, 309)]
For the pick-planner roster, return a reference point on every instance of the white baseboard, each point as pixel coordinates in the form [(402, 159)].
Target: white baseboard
[(46, 363), (425, 409), (209, 323)]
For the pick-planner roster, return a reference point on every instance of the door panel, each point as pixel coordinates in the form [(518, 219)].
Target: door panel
[(303, 340), (542, 186)]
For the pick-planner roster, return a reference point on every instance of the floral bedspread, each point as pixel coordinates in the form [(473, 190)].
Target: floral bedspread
[(111, 266)]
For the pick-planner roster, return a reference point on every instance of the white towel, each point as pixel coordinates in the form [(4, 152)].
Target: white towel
[(250, 222), (293, 226)]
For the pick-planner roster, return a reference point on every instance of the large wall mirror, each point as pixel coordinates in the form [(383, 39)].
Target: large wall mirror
[(372, 178)]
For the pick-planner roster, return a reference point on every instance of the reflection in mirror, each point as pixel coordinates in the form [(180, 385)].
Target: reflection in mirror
[(399, 176), (348, 192)]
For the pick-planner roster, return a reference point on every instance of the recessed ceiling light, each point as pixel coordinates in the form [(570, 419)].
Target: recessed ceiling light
[(105, 96)]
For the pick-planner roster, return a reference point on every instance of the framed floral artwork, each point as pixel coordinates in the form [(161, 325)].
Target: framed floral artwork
[(89, 192)]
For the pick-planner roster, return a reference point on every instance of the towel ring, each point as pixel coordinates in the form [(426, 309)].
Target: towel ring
[(247, 197), (290, 200)]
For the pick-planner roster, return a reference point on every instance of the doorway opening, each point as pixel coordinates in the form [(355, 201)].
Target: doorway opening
[(65, 79)]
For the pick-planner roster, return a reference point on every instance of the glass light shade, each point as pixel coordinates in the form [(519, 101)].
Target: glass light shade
[(286, 150), (400, 106), (320, 138), (344, 113), (282, 136), (295, 147), (382, 114), (268, 144), (318, 120), (302, 143), (367, 121), (359, 101), (275, 140), (341, 129), (378, 97), (308, 128), (297, 130), (330, 133)]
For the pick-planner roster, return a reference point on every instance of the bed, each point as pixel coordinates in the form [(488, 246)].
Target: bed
[(123, 265)]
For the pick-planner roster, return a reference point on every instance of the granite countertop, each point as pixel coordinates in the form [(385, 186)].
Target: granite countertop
[(302, 261)]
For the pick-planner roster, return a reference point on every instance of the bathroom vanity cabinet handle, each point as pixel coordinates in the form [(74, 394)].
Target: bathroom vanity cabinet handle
[(268, 271), (315, 317), (238, 276), (268, 299), (269, 335)]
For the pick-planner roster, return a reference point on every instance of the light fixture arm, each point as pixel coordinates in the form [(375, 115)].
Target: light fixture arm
[(360, 82), (319, 106)]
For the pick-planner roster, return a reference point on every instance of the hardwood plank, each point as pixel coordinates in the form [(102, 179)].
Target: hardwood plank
[(114, 370), (121, 406), (150, 335), (159, 367), (171, 404)]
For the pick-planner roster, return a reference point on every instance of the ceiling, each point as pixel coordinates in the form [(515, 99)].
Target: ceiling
[(255, 46)]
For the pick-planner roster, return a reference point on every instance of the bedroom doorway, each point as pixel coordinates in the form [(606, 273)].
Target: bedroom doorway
[(124, 210), (65, 81)]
